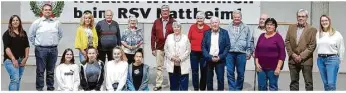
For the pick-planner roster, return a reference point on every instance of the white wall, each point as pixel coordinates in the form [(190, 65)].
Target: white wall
[(281, 11)]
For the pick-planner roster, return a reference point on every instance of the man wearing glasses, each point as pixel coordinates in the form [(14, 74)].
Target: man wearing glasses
[(300, 44)]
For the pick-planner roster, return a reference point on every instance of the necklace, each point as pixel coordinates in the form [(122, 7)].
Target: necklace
[(177, 38)]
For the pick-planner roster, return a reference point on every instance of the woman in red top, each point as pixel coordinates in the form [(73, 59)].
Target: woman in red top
[(196, 33)]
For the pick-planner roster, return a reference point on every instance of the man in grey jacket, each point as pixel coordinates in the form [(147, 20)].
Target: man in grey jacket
[(109, 36)]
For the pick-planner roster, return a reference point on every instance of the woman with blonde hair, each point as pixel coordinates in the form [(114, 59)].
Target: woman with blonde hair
[(86, 35), (116, 71), (330, 50), (132, 39)]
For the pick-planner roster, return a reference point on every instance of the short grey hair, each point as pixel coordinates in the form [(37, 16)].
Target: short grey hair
[(108, 10), (176, 24), (214, 18), (132, 17), (200, 14), (164, 7), (303, 11), (237, 12)]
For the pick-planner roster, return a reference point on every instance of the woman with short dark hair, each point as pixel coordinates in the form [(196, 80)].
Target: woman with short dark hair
[(270, 54)]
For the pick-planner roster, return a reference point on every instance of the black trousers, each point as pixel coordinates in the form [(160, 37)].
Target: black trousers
[(103, 53)]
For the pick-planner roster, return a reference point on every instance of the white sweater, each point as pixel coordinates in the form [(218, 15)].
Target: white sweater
[(327, 44), (115, 72), (182, 49), (67, 77)]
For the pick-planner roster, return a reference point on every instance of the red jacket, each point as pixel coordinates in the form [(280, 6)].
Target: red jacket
[(157, 38), (196, 36)]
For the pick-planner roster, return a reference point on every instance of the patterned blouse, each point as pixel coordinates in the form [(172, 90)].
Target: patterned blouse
[(132, 38)]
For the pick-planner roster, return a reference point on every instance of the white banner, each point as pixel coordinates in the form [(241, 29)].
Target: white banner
[(148, 11)]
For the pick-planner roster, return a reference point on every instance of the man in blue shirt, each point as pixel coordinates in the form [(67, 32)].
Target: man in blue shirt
[(45, 34)]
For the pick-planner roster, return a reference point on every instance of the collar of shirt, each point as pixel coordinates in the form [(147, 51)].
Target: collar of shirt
[(165, 20), (301, 26), (261, 28), (237, 24), (215, 32), (45, 19)]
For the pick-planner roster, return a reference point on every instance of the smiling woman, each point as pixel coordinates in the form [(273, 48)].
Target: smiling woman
[(269, 54), (67, 72), (86, 35), (132, 39), (16, 47)]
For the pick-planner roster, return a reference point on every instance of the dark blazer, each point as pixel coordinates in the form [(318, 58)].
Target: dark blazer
[(224, 44), (306, 44), (157, 38), (84, 82)]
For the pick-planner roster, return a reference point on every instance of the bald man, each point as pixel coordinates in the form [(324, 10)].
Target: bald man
[(109, 36)]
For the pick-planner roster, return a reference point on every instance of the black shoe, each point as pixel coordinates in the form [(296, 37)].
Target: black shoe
[(39, 89), (51, 89), (157, 88), (196, 89)]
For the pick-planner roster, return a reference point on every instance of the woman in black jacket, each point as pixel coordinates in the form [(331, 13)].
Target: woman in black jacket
[(92, 71)]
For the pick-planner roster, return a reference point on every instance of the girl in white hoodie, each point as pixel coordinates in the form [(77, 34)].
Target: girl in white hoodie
[(116, 71), (67, 72)]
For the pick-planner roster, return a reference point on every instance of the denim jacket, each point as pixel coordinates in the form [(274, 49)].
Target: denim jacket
[(241, 41), (145, 80)]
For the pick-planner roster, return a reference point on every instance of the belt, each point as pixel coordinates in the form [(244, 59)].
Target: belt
[(327, 55), (47, 46)]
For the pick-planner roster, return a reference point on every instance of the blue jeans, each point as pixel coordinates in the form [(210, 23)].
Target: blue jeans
[(329, 67), (178, 82), (81, 57), (235, 60), (46, 58), (220, 71), (197, 61), (15, 74), (263, 77)]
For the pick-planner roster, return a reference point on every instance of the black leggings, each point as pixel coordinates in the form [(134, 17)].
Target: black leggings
[(92, 86)]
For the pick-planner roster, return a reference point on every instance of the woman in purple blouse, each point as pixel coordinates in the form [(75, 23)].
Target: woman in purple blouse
[(269, 54)]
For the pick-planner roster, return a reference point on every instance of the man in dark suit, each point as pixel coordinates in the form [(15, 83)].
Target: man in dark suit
[(300, 44), (215, 46)]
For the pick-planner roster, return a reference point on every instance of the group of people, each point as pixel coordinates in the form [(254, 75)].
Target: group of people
[(204, 50)]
